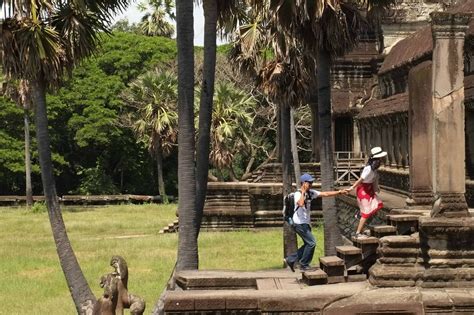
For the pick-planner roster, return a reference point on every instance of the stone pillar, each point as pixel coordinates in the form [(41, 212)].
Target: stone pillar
[(396, 140), (384, 136), (378, 126), (420, 124), (404, 140), (362, 135), (389, 150), (448, 113), (356, 141)]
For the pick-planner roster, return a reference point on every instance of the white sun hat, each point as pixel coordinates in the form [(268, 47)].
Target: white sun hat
[(377, 153)]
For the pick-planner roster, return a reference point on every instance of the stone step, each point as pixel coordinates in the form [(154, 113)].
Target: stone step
[(380, 231), (332, 265), (404, 223), (315, 277), (400, 241), (350, 254)]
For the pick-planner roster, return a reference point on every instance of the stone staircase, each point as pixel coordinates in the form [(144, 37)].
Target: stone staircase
[(171, 228), (367, 257)]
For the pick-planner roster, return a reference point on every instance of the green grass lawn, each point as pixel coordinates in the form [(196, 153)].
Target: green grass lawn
[(32, 281)]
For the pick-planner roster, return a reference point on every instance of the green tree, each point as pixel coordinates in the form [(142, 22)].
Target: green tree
[(42, 42), (154, 22), (153, 98), (231, 125)]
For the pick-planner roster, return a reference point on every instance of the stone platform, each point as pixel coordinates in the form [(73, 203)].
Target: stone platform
[(282, 292)]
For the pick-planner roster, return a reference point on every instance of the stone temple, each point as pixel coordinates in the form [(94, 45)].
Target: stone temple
[(409, 88)]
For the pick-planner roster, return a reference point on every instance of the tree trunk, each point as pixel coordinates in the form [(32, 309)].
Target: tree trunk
[(315, 145), (188, 258), (289, 235), (278, 134), (332, 235), (80, 291), (205, 106), (29, 190), (294, 147), (159, 170)]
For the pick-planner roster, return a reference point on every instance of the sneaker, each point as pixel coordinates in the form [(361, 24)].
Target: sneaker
[(291, 265), (360, 236), (307, 268), (357, 216)]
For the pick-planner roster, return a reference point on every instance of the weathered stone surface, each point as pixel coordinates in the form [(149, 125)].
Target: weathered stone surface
[(381, 301), (331, 261), (227, 279), (399, 241), (348, 250), (384, 229), (400, 260), (398, 252), (315, 277)]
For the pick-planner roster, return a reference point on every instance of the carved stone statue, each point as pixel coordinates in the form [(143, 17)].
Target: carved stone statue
[(116, 296), (107, 304)]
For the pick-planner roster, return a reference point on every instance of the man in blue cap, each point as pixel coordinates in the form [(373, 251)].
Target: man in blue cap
[(302, 222)]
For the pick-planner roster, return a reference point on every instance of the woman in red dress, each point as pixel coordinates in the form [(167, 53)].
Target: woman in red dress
[(367, 186)]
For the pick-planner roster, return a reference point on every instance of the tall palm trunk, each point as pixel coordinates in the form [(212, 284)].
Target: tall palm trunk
[(206, 104), (29, 190), (78, 287), (289, 235), (294, 146), (332, 235), (159, 170), (188, 222), (315, 145)]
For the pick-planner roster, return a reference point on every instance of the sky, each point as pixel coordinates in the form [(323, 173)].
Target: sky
[(133, 16)]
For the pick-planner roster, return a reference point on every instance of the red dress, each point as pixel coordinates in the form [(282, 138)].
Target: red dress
[(369, 203)]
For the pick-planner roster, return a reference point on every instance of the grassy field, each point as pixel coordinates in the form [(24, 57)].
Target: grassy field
[(31, 280)]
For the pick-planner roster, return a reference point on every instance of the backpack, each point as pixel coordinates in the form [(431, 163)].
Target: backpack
[(289, 207)]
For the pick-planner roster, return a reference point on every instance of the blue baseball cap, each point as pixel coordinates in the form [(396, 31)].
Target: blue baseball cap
[(306, 178)]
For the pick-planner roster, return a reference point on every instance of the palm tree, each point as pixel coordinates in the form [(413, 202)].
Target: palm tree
[(188, 220), (231, 125), (205, 105), (154, 120), (154, 21), (325, 29), (43, 41)]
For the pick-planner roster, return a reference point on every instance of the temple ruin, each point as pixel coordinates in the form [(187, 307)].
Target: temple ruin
[(408, 88)]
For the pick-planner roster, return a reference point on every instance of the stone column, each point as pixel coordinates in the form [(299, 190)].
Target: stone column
[(384, 136), (396, 140), (362, 135), (389, 150), (448, 113), (420, 124), (404, 140), (378, 126), (356, 141)]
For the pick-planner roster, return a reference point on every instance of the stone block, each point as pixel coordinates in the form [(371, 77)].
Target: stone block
[(436, 301), (177, 302), (315, 277), (356, 278), (209, 304), (384, 230), (401, 241), (350, 254), (241, 302), (336, 279), (398, 252), (404, 223), (332, 265)]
